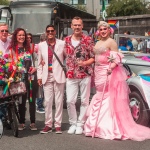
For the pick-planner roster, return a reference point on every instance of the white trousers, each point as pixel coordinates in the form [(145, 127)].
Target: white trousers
[(72, 88), (53, 90)]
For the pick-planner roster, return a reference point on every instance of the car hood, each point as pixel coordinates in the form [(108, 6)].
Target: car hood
[(136, 64)]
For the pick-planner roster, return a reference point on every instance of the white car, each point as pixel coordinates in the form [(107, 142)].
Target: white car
[(138, 100)]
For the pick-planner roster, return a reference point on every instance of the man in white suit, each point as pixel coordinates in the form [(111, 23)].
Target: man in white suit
[(52, 76)]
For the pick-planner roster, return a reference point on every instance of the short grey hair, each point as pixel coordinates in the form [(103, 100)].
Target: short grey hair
[(43, 37), (103, 23), (3, 24)]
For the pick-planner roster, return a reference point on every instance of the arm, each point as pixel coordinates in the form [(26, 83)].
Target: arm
[(91, 53), (86, 63), (113, 47), (33, 68), (39, 67)]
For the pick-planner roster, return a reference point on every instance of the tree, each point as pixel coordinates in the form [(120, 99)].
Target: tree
[(126, 8), (4, 2)]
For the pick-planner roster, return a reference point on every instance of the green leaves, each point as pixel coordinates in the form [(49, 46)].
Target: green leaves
[(126, 8), (4, 2)]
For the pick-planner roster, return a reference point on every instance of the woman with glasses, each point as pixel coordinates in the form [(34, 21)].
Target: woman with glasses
[(109, 115), (20, 46), (30, 40)]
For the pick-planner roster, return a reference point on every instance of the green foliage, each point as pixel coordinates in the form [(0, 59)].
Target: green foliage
[(4, 2), (126, 8)]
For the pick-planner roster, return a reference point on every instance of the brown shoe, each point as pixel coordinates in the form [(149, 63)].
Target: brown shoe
[(33, 127), (21, 127)]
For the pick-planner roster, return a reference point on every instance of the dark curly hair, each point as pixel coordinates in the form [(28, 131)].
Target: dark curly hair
[(14, 41), (29, 34)]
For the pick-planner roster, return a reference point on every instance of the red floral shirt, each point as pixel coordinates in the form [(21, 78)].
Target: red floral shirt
[(84, 51)]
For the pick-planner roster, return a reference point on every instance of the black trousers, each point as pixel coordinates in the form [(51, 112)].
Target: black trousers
[(32, 107)]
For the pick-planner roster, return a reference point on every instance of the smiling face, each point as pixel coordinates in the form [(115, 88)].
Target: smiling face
[(29, 38), (21, 37), (77, 26), (50, 33), (104, 31), (3, 32)]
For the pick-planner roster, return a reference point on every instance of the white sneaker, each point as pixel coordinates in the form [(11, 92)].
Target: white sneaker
[(72, 129), (79, 130)]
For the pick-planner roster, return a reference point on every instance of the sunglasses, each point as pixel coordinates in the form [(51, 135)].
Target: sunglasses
[(4, 31), (103, 29), (50, 31)]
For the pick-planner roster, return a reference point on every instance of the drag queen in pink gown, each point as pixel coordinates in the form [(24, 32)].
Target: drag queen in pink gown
[(108, 115)]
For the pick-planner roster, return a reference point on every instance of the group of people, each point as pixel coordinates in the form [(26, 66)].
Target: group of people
[(108, 114)]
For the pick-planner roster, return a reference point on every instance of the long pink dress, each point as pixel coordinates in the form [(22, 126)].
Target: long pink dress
[(108, 115)]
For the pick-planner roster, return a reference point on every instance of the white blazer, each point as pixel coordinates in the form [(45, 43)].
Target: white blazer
[(42, 71)]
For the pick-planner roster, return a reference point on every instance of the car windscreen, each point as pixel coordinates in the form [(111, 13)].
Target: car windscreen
[(133, 43), (32, 19)]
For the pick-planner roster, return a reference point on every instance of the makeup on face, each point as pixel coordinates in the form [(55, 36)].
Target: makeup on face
[(101, 29), (21, 36)]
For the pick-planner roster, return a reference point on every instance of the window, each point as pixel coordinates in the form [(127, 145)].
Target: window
[(60, 1), (76, 2), (106, 2)]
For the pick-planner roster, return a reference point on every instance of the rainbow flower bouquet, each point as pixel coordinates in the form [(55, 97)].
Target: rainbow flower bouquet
[(11, 74)]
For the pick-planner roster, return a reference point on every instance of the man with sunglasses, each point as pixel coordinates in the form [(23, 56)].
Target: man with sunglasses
[(79, 57), (4, 39), (52, 76)]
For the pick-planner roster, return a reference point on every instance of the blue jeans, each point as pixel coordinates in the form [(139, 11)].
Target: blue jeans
[(39, 102)]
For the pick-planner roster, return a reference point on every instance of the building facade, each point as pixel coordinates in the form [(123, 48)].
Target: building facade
[(91, 6)]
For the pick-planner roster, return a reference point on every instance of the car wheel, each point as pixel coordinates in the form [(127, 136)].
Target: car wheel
[(138, 109)]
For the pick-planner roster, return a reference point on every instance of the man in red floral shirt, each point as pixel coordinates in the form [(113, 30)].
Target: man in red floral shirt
[(79, 57)]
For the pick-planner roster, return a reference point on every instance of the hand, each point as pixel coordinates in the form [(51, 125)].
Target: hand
[(128, 47), (109, 71), (40, 82), (42, 63), (81, 63), (33, 70)]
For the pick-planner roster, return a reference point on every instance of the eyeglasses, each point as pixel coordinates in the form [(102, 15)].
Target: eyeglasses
[(103, 29), (48, 31), (4, 31)]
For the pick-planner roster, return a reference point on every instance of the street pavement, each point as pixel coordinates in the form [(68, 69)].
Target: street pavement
[(33, 140)]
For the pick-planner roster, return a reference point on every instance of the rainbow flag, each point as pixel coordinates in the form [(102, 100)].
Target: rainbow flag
[(145, 81), (50, 67), (113, 23)]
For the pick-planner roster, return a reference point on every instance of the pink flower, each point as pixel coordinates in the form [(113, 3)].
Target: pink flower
[(6, 56)]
